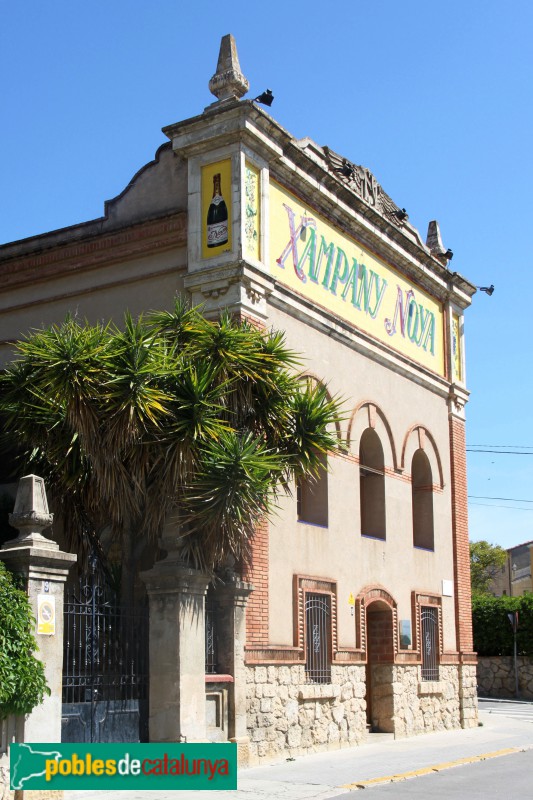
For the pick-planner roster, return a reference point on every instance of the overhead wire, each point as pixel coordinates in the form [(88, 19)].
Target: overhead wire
[(509, 499), (501, 452), (512, 446), (494, 505), (500, 449)]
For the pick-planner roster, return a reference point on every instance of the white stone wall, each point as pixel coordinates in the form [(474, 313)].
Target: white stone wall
[(287, 716), (468, 695), (423, 706), (7, 735), (4, 781)]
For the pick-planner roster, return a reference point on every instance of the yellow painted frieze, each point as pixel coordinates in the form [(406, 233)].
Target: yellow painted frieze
[(333, 270)]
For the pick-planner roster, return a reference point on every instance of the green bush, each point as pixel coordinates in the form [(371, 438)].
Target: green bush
[(22, 681), (493, 633)]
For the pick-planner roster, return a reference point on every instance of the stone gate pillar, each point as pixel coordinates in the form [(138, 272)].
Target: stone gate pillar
[(232, 598), (45, 568), (176, 595)]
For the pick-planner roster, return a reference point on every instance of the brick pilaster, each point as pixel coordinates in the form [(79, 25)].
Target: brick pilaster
[(461, 547), (257, 574)]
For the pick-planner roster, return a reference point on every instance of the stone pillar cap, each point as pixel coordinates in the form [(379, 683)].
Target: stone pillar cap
[(31, 515), (228, 82)]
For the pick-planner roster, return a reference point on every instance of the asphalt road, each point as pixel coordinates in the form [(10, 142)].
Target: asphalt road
[(496, 779)]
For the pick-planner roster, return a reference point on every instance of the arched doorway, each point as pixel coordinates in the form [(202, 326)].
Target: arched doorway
[(379, 667)]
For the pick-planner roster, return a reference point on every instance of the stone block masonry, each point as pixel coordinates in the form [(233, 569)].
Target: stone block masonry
[(424, 706), (288, 717), (496, 677)]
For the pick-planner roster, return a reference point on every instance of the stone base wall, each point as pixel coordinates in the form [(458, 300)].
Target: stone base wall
[(496, 677), (287, 716), (5, 794), (424, 706), (468, 695)]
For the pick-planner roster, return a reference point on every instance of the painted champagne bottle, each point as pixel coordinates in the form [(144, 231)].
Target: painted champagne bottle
[(217, 216)]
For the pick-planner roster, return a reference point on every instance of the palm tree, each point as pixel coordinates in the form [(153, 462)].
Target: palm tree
[(170, 412)]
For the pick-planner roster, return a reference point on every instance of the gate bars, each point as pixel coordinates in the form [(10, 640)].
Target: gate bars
[(105, 646)]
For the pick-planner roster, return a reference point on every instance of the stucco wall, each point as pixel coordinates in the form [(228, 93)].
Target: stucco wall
[(339, 551)]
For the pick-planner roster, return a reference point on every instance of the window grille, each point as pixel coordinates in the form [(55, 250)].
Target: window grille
[(318, 637), (211, 654), (430, 630)]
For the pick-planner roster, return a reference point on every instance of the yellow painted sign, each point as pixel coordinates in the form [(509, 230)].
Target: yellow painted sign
[(252, 219), (334, 271), (216, 208), (456, 348), (351, 600), (46, 614)]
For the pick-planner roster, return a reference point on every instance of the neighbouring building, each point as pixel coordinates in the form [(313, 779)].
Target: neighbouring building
[(360, 615), (515, 576)]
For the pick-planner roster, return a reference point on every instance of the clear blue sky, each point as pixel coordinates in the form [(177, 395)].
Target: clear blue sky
[(435, 99)]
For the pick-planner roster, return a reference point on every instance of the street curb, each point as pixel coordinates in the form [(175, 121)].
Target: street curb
[(504, 700), (416, 773)]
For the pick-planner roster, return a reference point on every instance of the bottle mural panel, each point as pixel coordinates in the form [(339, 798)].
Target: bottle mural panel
[(216, 208)]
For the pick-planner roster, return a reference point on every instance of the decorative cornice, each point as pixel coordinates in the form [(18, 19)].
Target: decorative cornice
[(457, 400), (104, 248), (273, 655), (364, 184), (322, 319)]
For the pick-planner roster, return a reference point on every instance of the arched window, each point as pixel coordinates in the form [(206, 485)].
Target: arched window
[(372, 485), (312, 496), (422, 489)]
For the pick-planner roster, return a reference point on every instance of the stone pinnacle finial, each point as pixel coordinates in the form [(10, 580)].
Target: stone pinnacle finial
[(434, 242), (228, 82), (433, 239), (31, 515)]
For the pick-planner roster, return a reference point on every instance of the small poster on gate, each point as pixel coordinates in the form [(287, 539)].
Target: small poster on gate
[(46, 615)]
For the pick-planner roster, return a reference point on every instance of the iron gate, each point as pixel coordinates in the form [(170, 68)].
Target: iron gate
[(105, 666)]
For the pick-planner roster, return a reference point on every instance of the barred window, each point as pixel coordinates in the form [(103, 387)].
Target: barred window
[(318, 637), (430, 648)]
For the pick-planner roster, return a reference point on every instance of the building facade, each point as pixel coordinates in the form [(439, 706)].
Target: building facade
[(515, 578), (359, 618)]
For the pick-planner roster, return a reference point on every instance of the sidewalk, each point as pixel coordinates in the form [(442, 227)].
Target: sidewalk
[(325, 775)]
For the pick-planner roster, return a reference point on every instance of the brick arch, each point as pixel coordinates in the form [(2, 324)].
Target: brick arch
[(373, 592), (419, 437), (370, 594), (368, 415), (310, 376)]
